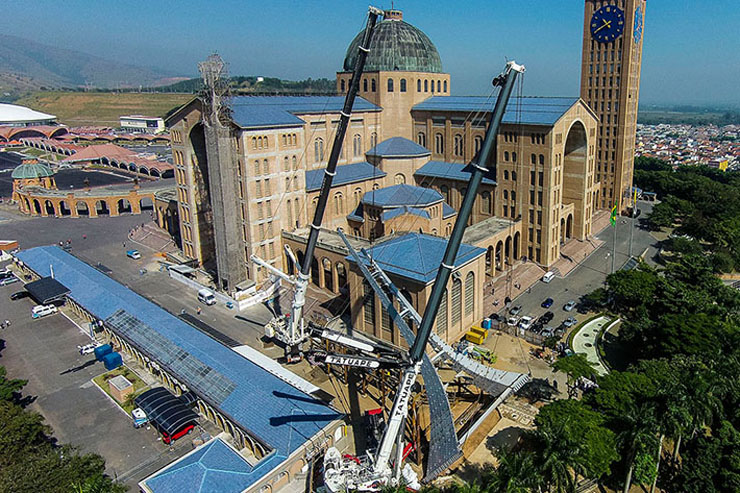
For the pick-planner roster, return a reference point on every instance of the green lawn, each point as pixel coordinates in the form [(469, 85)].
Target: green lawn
[(139, 385)]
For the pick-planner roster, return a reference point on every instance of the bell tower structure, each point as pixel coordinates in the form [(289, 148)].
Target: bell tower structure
[(610, 85)]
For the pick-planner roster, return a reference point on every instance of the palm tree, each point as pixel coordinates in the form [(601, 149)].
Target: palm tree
[(553, 460), (639, 427), (515, 473)]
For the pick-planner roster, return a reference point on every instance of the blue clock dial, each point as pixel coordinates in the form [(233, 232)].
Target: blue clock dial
[(607, 24), (638, 25)]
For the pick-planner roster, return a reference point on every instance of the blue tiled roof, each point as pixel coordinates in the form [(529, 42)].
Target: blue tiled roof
[(346, 173), (267, 111), (398, 195), (447, 210), (418, 256), (406, 210), (398, 147), (451, 171), (212, 468), (534, 110), (277, 413), (357, 214)]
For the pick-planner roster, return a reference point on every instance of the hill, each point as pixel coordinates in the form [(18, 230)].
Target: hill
[(260, 85), (55, 67), (101, 108)]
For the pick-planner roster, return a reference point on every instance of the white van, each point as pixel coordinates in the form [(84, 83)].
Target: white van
[(39, 311), (549, 275), (207, 297)]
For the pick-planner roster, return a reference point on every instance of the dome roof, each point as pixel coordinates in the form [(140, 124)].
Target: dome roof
[(396, 46), (14, 115), (30, 171)]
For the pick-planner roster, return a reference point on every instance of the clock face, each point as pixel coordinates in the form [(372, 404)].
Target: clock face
[(607, 24), (638, 25)]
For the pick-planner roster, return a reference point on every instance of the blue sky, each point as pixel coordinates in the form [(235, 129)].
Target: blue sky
[(691, 48)]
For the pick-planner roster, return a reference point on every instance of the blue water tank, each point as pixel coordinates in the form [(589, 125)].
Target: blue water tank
[(112, 361), (487, 323), (101, 351)]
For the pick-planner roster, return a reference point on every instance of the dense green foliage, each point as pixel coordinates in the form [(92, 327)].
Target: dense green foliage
[(702, 203), (32, 461), (250, 85)]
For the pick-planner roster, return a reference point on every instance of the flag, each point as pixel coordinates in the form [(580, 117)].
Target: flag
[(613, 217)]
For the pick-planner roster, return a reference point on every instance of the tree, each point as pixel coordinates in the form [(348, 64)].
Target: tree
[(515, 473), (631, 289), (9, 388), (576, 367)]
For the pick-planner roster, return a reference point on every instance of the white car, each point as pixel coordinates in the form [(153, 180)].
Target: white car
[(39, 311), (513, 321), (526, 323), (87, 348)]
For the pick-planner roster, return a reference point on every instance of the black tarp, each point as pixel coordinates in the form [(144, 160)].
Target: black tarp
[(165, 411), (46, 290)]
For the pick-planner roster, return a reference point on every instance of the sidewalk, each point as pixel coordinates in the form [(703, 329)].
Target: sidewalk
[(495, 291)]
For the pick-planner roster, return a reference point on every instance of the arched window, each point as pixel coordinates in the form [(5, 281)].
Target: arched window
[(426, 85), (399, 179), (403, 85), (486, 204), (295, 162), (456, 302), (445, 86), (513, 176), (506, 174), (439, 83), (432, 87), (338, 204), (372, 83), (357, 195), (266, 167), (542, 159), (364, 85), (469, 294), (421, 139), (513, 196), (513, 156), (506, 195), (506, 155), (418, 85), (343, 85), (439, 144), (478, 143), (318, 150), (390, 85), (445, 193), (286, 164), (458, 145), (442, 317), (254, 142), (257, 170), (534, 158), (357, 145)]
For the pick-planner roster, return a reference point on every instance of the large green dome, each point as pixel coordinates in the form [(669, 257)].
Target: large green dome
[(31, 170), (396, 46)]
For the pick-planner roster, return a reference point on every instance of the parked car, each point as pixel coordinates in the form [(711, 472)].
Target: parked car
[(526, 323), (549, 275), (19, 295), (39, 311), (8, 280), (87, 348), (570, 322), (166, 438), (513, 321), (134, 254), (547, 317), (569, 306), (547, 303), (140, 418), (547, 332), (515, 310)]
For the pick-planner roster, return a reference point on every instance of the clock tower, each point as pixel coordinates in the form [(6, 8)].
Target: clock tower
[(610, 85)]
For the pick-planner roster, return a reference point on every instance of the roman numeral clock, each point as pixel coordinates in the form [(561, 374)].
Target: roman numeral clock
[(607, 24)]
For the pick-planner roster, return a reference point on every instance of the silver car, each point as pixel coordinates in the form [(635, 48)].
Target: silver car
[(569, 306)]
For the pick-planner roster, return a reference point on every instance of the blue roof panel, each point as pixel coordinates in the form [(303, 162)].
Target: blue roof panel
[(269, 408), (212, 468), (451, 171), (417, 256), (406, 210), (533, 110), (400, 195), (447, 210), (398, 147), (266, 111), (346, 173)]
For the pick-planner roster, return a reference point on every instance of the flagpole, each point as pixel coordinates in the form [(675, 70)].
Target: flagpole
[(613, 220), (632, 217)]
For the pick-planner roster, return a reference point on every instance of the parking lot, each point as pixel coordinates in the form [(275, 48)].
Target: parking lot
[(44, 352)]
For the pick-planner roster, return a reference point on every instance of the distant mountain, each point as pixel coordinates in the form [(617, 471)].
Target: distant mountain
[(58, 67)]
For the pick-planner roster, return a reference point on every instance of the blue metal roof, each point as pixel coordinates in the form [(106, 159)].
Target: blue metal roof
[(451, 171), (399, 195), (417, 256), (275, 412), (398, 147), (268, 111), (447, 210), (346, 173), (533, 110), (214, 467), (406, 210)]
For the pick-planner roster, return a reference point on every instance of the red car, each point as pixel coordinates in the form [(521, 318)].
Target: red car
[(166, 438)]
